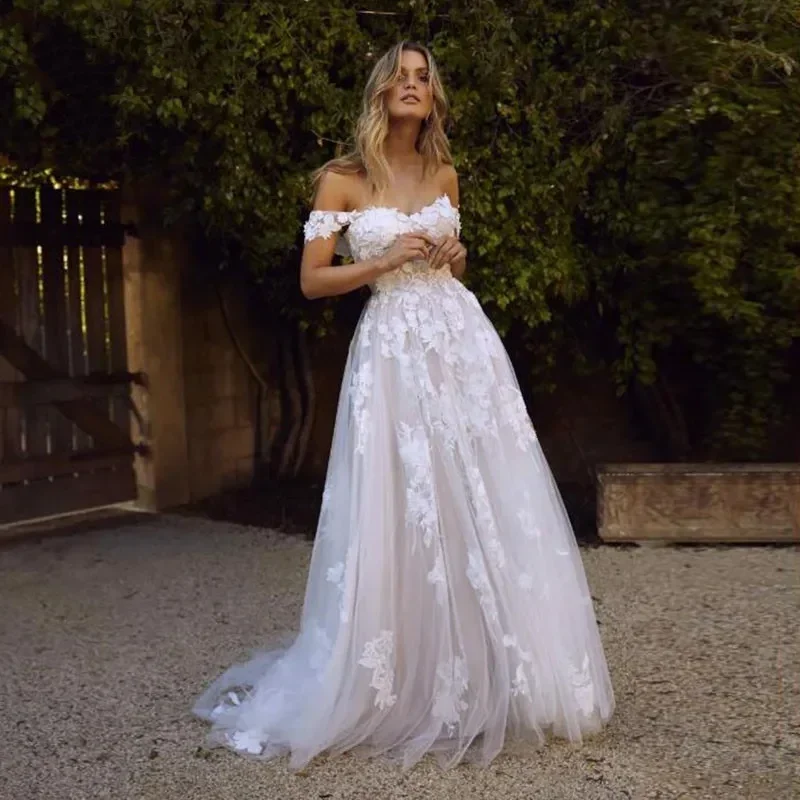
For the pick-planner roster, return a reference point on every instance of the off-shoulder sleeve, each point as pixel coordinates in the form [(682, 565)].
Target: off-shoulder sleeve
[(323, 224), (457, 221)]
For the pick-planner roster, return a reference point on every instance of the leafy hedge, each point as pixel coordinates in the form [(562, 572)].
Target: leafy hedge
[(630, 171)]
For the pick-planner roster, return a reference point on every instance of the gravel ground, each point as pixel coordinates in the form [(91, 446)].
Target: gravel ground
[(107, 636)]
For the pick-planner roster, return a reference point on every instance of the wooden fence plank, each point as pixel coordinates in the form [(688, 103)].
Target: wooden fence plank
[(34, 469), (55, 313), (43, 498), (77, 334), (29, 324), (95, 297), (14, 394), (82, 412), (116, 310), (10, 418), (31, 234), (95, 292), (7, 289)]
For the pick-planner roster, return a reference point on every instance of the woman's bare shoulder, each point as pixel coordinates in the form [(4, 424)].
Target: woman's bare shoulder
[(339, 191), (447, 181)]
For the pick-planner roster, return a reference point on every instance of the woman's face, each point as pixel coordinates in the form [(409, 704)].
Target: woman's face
[(411, 96)]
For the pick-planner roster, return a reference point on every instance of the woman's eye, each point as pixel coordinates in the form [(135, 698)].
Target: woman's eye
[(403, 77)]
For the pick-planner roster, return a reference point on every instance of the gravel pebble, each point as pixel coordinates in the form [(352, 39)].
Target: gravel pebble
[(106, 637)]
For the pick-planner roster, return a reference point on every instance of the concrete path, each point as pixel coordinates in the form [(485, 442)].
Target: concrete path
[(107, 636)]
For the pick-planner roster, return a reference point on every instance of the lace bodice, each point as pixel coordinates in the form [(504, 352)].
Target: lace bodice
[(370, 231)]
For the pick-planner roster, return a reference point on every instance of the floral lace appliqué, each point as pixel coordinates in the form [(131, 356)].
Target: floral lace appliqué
[(377, 656), (323, 224), (515, 415), (360, 390), (527, 519), (448, 702), (420, 495), (246, 742), (479, 580), (335, 575), (520, 683), (322, 650), (582, 686), (485, 518), (438, 578), (338, 575)]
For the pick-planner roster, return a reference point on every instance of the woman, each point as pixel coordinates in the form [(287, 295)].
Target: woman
[(446, 604)]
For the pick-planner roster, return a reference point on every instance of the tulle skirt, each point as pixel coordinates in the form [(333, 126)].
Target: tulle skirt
[(446, 608)]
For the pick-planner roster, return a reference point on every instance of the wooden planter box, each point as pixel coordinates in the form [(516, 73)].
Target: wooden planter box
[(698, 502)]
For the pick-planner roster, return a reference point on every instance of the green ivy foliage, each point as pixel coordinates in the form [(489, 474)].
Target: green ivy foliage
[(630, 171)]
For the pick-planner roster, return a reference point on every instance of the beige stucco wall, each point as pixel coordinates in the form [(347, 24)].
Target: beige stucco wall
[(220, 399), (153, 260)]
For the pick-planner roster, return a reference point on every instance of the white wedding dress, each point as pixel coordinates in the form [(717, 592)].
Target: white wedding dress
[(446, 606)]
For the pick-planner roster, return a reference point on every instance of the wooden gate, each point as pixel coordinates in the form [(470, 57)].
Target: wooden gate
[(65, 442)]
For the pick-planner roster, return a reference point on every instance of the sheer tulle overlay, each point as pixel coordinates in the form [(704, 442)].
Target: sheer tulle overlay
[(446, 609)]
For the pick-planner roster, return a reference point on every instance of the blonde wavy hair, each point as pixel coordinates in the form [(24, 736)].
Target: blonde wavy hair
[(372, 128)]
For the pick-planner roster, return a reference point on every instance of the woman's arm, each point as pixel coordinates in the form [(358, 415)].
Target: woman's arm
[(318, 278)]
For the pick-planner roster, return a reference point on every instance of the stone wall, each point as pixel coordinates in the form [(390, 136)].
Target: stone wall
[(699, 503)]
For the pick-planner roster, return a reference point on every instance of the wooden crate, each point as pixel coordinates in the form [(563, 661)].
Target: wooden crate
[(699, 502)]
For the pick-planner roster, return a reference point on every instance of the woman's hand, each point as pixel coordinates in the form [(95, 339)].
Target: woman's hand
[(448, 251), (407, 247)]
